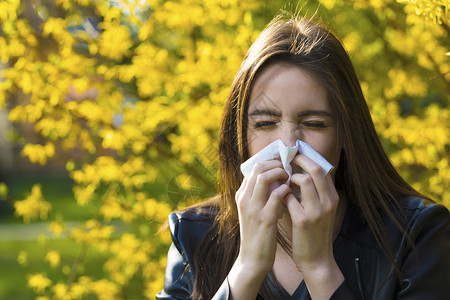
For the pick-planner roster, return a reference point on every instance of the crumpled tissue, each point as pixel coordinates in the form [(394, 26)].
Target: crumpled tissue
[(278, 150)]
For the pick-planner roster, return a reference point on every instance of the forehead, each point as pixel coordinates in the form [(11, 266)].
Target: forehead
[(285, 87)]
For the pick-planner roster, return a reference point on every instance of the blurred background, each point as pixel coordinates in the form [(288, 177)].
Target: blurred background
[(109, 116)]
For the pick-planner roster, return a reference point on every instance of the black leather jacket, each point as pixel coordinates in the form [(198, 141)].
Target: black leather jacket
[(368, 273)]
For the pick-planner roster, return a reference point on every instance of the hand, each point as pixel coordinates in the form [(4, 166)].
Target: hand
[(259, 209), (313, 222)]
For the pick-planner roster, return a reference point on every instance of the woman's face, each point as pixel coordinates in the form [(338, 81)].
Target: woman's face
[(288, 104)]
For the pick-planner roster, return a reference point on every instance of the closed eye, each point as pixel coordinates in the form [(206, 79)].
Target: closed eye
[(314, 124), (264, 124)]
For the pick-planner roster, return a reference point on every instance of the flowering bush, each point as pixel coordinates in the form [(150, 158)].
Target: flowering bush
[(136, 89)]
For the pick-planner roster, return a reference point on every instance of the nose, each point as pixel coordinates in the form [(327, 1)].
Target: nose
[(290, 134)]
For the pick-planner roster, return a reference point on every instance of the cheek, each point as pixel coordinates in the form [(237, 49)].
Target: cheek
[(332, 154), (258, 140), (328, 146)]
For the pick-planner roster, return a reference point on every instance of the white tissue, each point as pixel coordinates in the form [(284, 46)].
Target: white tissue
[(277, 150)]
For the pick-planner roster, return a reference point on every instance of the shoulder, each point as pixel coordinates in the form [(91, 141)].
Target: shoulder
[(188, 227), (421, 214), (425, 266), (415, 215), (428, 224)]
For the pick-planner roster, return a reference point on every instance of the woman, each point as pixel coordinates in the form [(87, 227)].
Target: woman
[(358, 232)]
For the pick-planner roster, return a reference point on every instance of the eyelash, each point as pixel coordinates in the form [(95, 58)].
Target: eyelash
[(314, 124), (307, 124), (264, 124)]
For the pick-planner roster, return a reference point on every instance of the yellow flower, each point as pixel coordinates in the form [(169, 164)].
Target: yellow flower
[(38, 282), (93, 232), (84, 2), (115, 42), (105, 290), (53, 258), (3, 190), (57, 228), (112, 139), (55, 26), (8, 9), (33, 206), (39, 153), (84, 194), (81, 84), (60, 291), (329, 4), (145, 30)]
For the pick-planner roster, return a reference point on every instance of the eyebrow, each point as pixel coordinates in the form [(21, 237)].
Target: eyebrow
[(264, 112), (306, 113)]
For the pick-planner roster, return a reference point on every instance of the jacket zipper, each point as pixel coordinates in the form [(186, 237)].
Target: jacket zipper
[(358, 276)]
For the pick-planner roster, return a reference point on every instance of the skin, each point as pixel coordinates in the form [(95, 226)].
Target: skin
[(288, 104)]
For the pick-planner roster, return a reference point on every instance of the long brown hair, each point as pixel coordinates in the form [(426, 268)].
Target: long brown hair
[(364, 173)]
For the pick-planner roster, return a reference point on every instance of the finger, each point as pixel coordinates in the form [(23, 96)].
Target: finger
[(275, 203), (248, 185), (240, 189), (264, 166), (295, 208), (316, 173), (264, 181), (258, 169), (308, 191), (332, 199)]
